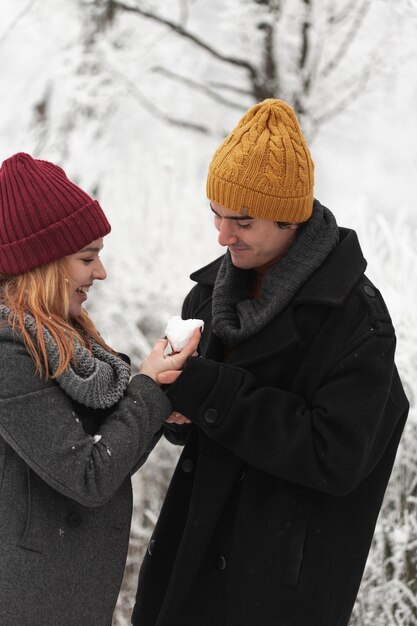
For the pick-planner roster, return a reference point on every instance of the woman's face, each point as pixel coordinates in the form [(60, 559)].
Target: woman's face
[(83, 268)]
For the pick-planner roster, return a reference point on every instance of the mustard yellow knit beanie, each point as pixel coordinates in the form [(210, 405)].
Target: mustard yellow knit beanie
[(264, 167)]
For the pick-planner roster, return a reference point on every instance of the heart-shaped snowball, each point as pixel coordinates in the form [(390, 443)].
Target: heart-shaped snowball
[(179, 332)]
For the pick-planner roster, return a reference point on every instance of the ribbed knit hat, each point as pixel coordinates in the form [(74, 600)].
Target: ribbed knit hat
[(264, 167), (43, 215)]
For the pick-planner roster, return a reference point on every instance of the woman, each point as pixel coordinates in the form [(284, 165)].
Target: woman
[(73, 425)]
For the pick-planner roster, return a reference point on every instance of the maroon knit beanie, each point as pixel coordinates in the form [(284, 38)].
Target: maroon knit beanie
[(43, 215)]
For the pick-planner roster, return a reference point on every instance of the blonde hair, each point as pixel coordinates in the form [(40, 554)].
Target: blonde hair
[(43, 292)]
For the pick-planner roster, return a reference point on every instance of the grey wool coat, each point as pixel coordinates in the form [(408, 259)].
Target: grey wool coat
[(65, 493)]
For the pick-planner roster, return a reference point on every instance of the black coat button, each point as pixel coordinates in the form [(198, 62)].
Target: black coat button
[(220, 562), (211, 416), (151, 547), (74, 520), (370, 291), (188, 466)]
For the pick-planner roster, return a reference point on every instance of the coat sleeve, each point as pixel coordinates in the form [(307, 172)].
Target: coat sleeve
[(178, 434), (37, 420), (330, 444)]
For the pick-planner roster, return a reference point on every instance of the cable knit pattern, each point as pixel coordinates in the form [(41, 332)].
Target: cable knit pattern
[(237, 317), (98, 379), (265, 166)]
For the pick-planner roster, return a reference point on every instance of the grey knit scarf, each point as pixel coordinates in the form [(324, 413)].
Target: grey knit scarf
[(98, 378), (237, 316)]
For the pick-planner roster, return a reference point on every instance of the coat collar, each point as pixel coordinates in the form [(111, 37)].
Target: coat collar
[(330, 284)]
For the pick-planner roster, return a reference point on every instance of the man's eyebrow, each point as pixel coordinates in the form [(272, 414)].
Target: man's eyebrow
[(238, 217)]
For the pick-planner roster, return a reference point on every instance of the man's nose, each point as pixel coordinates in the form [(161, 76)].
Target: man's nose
[(227, 233)]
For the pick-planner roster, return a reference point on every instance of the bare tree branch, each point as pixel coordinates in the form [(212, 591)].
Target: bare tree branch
[(152, 108), (311, 71), (315, 61), (26, 9), (189, 82), (337, 18), (348, 39), (305, 34), (266, 85), (228, 87), (180, 30), (358, 88)]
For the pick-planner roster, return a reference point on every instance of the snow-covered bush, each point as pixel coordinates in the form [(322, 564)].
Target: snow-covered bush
[(388, 594)]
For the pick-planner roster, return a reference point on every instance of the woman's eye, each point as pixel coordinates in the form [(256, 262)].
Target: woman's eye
[(87, 261)]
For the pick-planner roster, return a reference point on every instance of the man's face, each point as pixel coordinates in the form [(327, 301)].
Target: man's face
[(252, 242)]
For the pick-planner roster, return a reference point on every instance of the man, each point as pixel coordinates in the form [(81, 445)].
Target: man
[(295, 402)]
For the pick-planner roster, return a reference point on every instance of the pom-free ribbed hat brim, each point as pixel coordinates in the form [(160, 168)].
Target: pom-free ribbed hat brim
[(259, 203), (60, 239)]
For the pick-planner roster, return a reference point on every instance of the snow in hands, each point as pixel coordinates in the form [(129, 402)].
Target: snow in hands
[(179, 331)]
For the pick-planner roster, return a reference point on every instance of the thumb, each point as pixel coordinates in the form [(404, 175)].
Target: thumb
[(168, 377)]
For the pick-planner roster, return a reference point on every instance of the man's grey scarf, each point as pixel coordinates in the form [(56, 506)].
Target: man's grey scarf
[(97, 379), (237, 316)]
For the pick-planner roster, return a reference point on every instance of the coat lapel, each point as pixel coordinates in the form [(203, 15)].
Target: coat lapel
[(329, 285), (276, 336)]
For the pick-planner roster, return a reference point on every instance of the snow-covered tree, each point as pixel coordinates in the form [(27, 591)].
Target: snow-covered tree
[(318, 55)]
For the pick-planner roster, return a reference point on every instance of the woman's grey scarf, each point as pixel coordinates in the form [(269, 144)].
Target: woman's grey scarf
[(98, 378), (237, 316)]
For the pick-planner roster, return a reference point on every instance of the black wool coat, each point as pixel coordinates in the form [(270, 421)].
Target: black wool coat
[(271, 510)]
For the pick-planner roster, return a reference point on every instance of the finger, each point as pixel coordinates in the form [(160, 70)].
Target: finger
[(171, 419), (195, 339), (180, 358), (168, 377), (180, 418), (177, 418), (180, 421), (160, 345)]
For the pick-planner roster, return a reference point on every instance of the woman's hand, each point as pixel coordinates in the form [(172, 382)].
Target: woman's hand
[(157, 362), (177, 418)]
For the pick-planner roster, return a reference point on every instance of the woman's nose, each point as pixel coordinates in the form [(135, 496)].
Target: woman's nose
[(227, 233), (99, 273)]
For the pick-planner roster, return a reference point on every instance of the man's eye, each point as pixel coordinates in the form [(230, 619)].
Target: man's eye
[(244, 224)]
